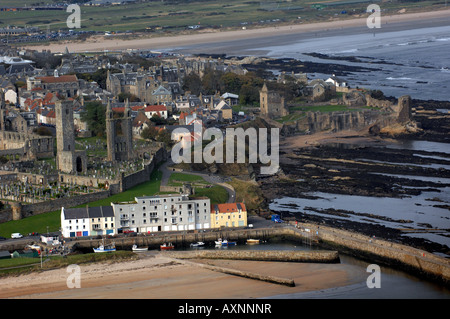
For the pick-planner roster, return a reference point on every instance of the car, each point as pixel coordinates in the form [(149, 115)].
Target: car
[(16, 235)]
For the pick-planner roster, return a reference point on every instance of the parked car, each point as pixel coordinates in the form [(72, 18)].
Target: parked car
[(16, 235)]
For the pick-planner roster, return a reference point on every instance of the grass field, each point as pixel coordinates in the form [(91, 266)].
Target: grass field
[(51, 221), (39, 223), (178, 15), (33, 264)]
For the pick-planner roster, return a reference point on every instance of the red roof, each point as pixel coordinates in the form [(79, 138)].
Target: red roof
[(58, 79), (155, 108), (121, 109), (228, 207)]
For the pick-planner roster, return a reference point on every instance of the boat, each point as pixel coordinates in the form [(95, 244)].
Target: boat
[(198, 244), (252, 241), (105, 249), (224, 242), (166, 246), (138, 249)]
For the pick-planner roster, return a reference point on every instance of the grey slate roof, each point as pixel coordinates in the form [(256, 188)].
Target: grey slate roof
[(88, 212)]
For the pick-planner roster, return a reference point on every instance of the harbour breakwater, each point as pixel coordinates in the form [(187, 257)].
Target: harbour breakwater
[(375, 250), (413, 260)]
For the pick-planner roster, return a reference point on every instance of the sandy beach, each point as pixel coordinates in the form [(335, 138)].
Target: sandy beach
[(158, 277), (345, 136), (100, 43)]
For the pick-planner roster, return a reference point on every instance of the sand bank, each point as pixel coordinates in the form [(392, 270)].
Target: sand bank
[(101, 43), (345, 136), (160, 277)]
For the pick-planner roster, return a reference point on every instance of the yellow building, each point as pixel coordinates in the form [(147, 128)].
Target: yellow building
[(228, 215)]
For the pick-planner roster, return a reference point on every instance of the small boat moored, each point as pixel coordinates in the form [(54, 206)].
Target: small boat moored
[(138, 249), (252, 241), (165, 246), (225, 242), (105, 249), (198, 244)]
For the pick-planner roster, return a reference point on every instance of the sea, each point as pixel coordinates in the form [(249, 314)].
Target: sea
[(409, 62), (405, 59)]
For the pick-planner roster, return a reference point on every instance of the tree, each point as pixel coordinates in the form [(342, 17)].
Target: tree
[(94, 115), (232, 82), (149, 133), (127, 96), (212, 81), (192, 83)]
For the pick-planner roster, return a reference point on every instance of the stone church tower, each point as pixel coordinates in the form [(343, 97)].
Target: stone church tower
[(272, 104), (119, 134), (2, 110), (68, 160)]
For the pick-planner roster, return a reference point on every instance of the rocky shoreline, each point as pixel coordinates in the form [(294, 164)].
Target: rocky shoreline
[(362, 166)]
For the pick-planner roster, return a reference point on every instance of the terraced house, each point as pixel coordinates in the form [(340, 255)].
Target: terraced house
[(146, 214), (163, 213), (228, 215), (87, 221)]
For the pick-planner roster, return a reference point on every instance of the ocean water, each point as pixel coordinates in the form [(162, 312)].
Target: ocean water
[(408, 62), (409, 59), (421, 212)]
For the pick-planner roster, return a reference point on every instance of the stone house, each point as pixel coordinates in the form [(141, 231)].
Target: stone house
[(88, 221), (272, 104)]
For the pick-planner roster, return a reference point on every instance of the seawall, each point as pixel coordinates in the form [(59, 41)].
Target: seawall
[(420, 262), (316, 256), (417, 261)]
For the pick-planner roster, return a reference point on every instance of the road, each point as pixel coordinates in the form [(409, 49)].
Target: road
[(210, 178)]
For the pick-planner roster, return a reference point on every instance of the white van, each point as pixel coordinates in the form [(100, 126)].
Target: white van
[(16, 235)]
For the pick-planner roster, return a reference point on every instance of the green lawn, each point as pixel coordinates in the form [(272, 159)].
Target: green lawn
[(59, 261), (217, 194), (177, 15), (180, 177), (39, 223)]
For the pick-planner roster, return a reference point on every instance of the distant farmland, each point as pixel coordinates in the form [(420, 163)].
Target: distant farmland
[(184, 15)]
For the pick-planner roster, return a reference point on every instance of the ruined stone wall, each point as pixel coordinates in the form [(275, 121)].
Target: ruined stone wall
[(337, 121), (24, 144), (19, 211), (143, 175), (370, 101)]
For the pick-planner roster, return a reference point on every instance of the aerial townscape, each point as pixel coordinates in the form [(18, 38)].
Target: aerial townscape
[(135, 142)]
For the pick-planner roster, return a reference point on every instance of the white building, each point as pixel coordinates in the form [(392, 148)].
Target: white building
[(337, 82), (159, 110), (87, 221), (163, 213)]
